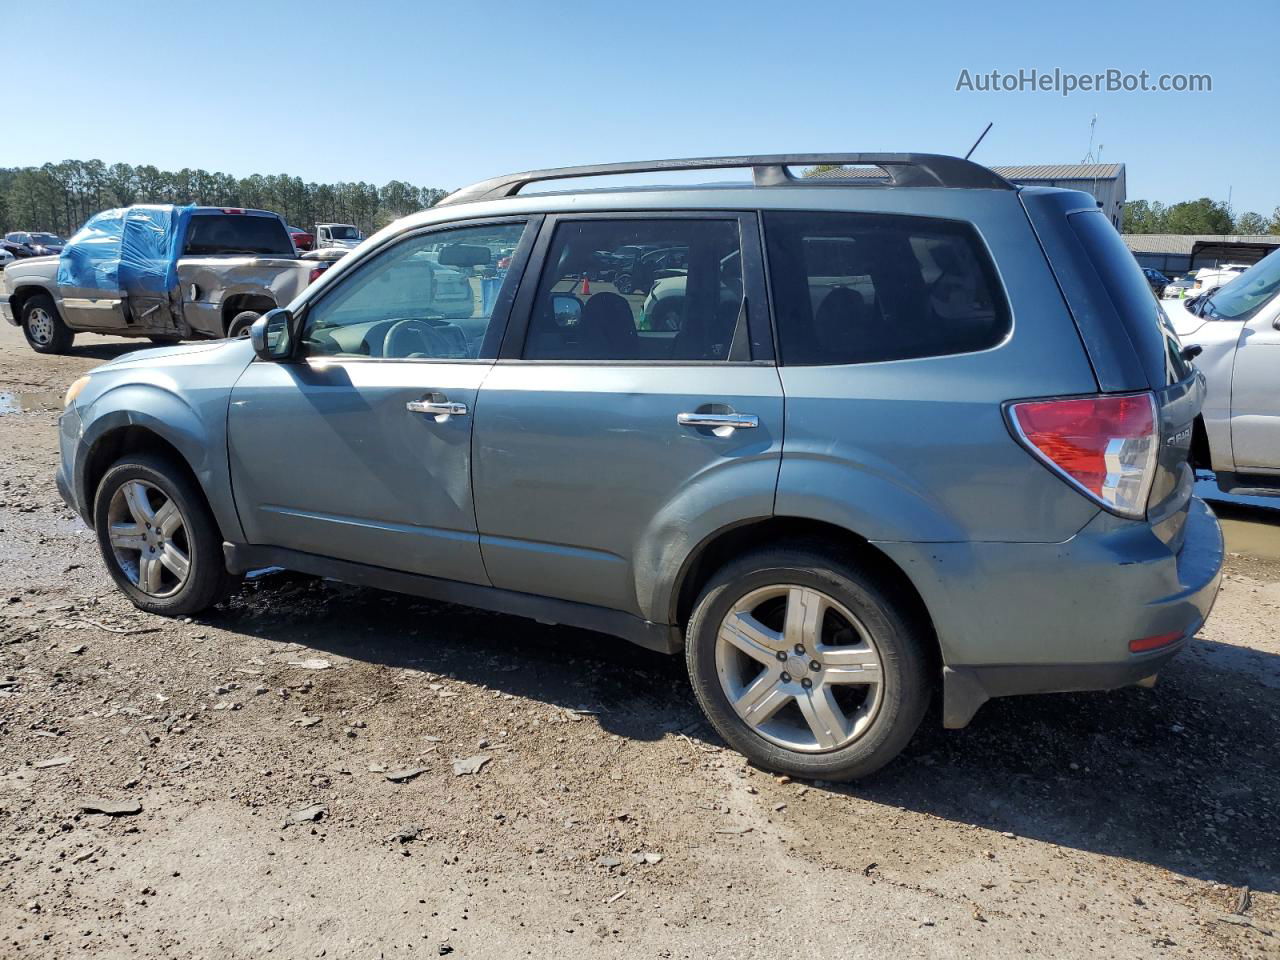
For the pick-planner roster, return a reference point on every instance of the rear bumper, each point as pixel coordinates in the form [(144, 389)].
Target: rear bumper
[(1046, 618)]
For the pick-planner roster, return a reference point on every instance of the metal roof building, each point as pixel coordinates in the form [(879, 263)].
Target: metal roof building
[(1104, 181), (1174, 253)]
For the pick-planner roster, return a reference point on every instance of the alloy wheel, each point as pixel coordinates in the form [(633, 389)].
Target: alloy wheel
[(799, 669), (149, 538)]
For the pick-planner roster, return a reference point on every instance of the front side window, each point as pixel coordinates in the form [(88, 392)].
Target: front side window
[(625, 289), (860, 288), (429, 297)]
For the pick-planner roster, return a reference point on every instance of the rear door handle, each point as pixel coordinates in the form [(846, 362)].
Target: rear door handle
[(437, 408), (738, 421)]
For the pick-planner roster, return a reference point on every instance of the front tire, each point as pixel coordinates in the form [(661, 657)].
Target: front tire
[(808, 665), (158, 538), (43, 327), (240, 324)]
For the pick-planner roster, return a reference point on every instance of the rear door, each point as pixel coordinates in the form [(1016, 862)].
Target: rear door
[(361, 450), (618, 426)]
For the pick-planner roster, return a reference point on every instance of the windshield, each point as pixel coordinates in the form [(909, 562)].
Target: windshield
[(1243, 296), (46, 238), (344, 233)]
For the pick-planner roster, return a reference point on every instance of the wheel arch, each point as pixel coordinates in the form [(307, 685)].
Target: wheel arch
[(721, 546), (18, 299), (239, 302), (169, 428)]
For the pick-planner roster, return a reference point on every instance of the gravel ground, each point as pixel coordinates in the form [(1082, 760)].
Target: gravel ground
[(293, 759)]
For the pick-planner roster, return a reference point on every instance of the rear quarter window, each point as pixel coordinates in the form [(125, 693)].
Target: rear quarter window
[(235, 233), (1140, 313), (861, 288)]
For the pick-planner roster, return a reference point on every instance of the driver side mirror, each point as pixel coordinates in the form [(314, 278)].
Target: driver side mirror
[(272, 335)]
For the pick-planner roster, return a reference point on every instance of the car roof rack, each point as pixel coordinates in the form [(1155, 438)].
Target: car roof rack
[(768, 170)]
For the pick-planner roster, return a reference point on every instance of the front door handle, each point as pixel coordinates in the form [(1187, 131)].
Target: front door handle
[(736, 421), (437, 408)]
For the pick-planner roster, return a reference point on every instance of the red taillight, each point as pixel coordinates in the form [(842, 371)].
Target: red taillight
[(1154, 643), (315, 274), (1104, 445)]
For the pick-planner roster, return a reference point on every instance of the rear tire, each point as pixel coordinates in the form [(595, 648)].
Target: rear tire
[(158, 537), (240, 324), (43, 327), (838, 693)]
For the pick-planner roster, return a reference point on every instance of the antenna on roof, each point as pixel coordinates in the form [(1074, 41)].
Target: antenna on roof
[(978, 141), (1088, 157)]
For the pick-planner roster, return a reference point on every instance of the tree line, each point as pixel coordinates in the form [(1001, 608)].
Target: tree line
[(60, 197), (1196, 216)]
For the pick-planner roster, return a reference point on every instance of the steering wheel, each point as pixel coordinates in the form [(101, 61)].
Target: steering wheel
[(409, 337)]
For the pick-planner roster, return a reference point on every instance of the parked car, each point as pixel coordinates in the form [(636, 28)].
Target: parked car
[(337, 235), (6, 258), (164, 272), (17, 251), (1237, 328), (1157, 280), (1177, 289), (877, 484), (301, 239), (38, 244), (1210, 278)]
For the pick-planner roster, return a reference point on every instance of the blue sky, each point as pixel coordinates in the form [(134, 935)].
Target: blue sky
[(441, 94)]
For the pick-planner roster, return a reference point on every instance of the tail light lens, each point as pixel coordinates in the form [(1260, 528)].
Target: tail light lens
[(1106, 446), (315, 274)]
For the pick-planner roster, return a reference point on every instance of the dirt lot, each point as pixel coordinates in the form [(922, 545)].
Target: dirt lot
[(608, 819)]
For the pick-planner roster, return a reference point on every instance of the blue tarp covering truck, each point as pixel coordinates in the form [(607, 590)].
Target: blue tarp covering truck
[(161, 271)]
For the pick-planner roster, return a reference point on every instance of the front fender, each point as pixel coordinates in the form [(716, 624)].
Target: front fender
[(196, 428)]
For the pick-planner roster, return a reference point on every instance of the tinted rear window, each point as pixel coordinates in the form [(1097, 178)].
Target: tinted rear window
[(859, 288), (237, 233), (1153, 338)]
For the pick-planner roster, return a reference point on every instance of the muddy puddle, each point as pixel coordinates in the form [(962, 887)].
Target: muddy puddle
[(1250, 525), (29, 401)]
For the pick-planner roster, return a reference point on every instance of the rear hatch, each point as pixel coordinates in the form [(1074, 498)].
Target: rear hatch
[(1131, 342)]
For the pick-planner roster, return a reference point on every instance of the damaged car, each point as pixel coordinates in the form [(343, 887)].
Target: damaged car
[(160, 271)]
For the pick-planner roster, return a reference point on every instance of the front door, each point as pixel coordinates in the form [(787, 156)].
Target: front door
[(361, 450), (1255, 399), (621, 427)]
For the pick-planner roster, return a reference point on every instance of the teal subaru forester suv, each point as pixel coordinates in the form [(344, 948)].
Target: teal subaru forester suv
[(898, 430)]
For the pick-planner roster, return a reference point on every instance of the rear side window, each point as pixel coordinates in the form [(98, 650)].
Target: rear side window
[(627, 289), (1144, 320), (860, 288), (211, 234)]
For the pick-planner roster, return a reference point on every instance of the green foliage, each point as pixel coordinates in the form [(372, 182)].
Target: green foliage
[(60, 197), (1190, 216), (1250, 223)]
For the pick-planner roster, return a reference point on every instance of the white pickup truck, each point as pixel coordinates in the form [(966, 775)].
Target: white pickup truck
[(1237, 327), (164, 272)]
